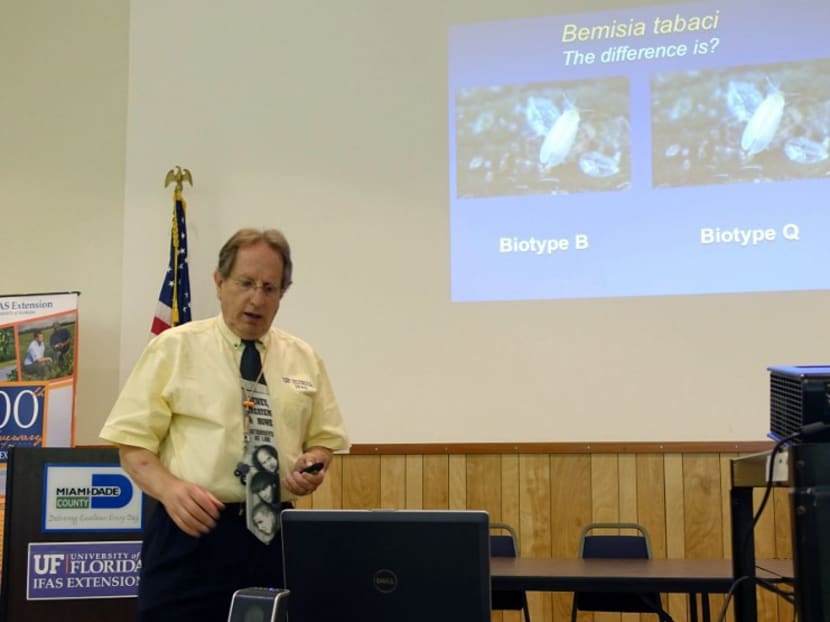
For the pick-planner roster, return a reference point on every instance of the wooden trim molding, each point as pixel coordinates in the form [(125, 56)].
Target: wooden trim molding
[(650, 447), (674, 447)]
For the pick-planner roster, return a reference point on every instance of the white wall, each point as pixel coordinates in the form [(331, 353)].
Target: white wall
[(63, 66), (329, 121)]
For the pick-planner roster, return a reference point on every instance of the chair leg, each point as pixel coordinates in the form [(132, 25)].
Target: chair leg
[(573, 609), (657, 608), (525, 608), (663, 615)]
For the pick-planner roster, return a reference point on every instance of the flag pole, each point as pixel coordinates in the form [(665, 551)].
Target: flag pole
[(174, 299), (178, 175)]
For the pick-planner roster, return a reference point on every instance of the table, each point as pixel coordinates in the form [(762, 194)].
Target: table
[(808, 478), (688, 576), (746, 473)]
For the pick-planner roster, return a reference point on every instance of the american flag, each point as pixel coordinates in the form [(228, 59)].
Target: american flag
[(174, 299)]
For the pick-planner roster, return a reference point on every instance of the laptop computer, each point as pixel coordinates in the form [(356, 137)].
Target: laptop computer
[(387, 565)]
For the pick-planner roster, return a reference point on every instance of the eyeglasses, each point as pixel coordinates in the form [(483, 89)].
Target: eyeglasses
[(249, 286)]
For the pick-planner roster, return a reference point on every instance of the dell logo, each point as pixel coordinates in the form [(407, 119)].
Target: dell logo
[(385, 581)]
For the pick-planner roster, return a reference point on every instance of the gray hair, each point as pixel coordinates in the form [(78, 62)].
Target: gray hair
[(246, 237)]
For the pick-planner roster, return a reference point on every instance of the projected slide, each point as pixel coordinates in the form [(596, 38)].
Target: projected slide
[(676, 149)]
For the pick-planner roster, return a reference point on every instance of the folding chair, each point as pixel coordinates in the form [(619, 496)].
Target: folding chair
[(505, 543), (616, 546)]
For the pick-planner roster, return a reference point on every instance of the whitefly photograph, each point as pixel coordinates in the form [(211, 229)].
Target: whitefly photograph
[(741, 124), (548, 138)]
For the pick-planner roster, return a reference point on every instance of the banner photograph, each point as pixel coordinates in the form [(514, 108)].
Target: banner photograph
[(38, 356)]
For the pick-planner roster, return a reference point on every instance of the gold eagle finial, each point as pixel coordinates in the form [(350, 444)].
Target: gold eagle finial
[(178, 175)]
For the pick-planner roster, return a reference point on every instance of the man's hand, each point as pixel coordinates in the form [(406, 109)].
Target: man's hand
[(302, 484), (192, 508)]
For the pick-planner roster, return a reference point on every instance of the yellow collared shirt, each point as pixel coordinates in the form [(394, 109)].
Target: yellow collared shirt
[(183, 402)]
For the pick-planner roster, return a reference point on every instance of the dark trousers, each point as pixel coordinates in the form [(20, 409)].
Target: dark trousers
[(186, 579)]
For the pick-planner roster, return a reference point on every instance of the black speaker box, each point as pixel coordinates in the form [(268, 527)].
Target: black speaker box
[(799, 396), (258, 604), (810, 464)]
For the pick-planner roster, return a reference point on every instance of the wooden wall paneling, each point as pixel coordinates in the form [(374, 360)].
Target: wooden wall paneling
[(510, 492), (703, 510), (458, 482), (767, 605), (716, 601), (771, 537), (605, 488), (362, 481), (651, 500), (625, 447), (675, 525), (535, 505), (330, 494), (484, 483), (783, 542), (627, 474), (414, 482), (627, 485), (535, 521), (334, 495), (783, 523), (436, 494), (570, 494), (785, 610), (307, 502), (509, 513), (651, 505), (726, 504), (681, 498), (605, 502), (570, 510), (702, 501), (764, 533), (764, 537), (391, 483)]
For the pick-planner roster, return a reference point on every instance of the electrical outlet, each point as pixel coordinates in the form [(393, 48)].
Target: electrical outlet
[(781, 468)]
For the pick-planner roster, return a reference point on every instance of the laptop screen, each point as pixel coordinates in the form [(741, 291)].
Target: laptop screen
[(387, 565)]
